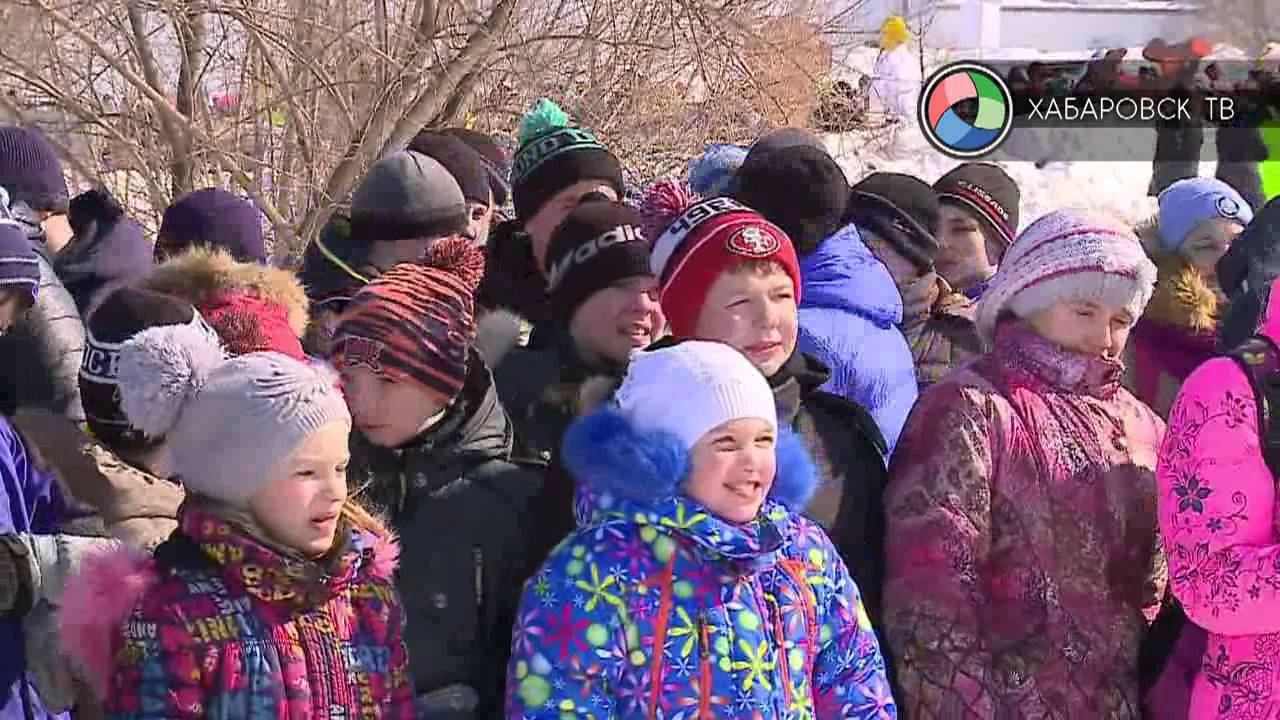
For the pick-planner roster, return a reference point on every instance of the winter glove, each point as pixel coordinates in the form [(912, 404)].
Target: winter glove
[(15, 577)]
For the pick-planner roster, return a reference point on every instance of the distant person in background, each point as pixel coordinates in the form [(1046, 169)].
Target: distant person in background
[(896, 76), (212, 218)]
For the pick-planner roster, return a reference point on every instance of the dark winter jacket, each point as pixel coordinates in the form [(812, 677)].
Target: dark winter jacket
[(512, 280), (1245, 274), (40, 357), (539, 388), (849, 451), (460, 507), (108, 248)]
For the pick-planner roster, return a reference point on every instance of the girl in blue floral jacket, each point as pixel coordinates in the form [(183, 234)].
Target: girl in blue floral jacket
[(693, 587)]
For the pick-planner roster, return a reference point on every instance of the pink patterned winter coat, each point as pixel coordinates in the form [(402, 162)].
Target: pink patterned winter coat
[(1023, 557), (1221, 528), (220, 625)]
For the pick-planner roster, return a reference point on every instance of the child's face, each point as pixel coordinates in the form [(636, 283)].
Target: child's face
[(1091, 328), (967, 255), (1207, 243), (733, 468), (388, 413), (301, 505), (754, 311), (618, 319)]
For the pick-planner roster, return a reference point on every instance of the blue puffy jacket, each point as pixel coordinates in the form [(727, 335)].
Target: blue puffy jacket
[(849, 313)]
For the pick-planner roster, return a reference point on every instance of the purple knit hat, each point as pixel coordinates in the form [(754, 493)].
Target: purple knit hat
[(19, 266), (213, 217), (30, 169)]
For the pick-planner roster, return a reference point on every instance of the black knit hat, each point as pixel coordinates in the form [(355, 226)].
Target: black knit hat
[(799, 188), (460, 159), (597, 245), (902, 209), (30, 169), (407, 195), (552, 156), (123, 313), (496, 160), (986, 190)]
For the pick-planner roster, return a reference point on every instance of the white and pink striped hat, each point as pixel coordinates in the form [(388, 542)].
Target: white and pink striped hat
[(1066, 256)]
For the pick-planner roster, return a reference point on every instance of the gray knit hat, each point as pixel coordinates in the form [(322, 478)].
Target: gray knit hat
[(407, 195), (228, 423)]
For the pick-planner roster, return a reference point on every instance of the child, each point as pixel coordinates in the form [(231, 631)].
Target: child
[(978, 219), (693, 585), (727, 274), (433, 448), (274, 597), (897, 216), (1023, 560)]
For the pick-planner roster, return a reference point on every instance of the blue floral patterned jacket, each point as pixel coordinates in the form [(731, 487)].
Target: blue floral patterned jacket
[(655, 608)]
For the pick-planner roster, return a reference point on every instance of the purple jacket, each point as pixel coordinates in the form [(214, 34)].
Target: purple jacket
[(30, 503)]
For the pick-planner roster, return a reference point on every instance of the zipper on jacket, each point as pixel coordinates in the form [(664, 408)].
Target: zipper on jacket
[(477, 569), (704, 667)]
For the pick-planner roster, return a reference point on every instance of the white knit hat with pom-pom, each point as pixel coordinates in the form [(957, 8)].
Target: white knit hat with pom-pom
[(229, 424), (1069, 256)]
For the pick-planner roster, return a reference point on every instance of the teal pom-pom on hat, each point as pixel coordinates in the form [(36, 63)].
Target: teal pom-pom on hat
[(544, 117)]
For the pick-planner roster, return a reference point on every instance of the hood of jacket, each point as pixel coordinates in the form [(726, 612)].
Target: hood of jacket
[(108, 247), (842, 274), (512, 279), (630, 476), (100, 597), (1247, 273), (1182, 298), (201, 274), (474, 430)]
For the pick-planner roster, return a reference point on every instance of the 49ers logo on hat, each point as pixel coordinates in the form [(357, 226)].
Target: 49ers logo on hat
[(753, 242)]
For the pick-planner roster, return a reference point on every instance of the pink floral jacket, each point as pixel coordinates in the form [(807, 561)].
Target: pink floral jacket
[(1023, 555), (1218, 519)]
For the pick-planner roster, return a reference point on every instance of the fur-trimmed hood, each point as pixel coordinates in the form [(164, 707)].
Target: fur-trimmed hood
[(1182, 298), (108, 587), (622, 472), (201, 274)]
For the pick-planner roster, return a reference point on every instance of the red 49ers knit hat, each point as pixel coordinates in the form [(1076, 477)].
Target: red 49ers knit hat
[(694, 241), (416, 322)]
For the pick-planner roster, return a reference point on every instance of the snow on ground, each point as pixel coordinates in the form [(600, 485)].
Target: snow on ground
[(1116, 187)]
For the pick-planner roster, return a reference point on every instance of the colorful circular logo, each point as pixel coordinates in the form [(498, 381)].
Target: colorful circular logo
[(966, 110)]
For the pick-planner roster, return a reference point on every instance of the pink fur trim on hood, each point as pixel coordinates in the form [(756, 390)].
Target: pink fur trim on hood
[(95, 604), (386, 556)]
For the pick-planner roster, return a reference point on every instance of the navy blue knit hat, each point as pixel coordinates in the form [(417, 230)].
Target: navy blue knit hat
[(19, 266), (30, 169), (213, 217)]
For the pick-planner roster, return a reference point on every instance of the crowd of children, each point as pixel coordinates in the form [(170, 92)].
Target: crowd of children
[(764, 444)]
